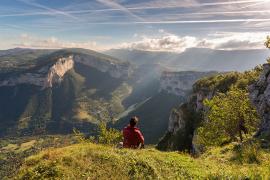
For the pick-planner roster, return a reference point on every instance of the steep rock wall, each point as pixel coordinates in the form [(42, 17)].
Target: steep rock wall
[(179, 83), (184, 119), (260, 97), (116, 70), (51, 74), (44, 77)]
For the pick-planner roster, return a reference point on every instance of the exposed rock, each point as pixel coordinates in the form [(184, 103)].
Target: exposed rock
[(175, 121), (260, 97), (58, 70), (116, 70), (184, 119), (179, 83), (51, 74), (44, 77)]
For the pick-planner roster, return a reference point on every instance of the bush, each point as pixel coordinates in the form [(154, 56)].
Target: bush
[(228, 117), (109, 136), (267, 42), (248, 152)]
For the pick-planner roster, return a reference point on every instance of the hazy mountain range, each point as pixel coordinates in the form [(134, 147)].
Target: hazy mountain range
[(197, 59)]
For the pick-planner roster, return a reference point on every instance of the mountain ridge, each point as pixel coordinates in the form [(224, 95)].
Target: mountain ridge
[(196, 59)]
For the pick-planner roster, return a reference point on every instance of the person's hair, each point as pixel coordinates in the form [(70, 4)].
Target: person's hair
[(133, 121)]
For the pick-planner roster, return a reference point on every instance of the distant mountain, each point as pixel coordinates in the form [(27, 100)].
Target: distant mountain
[(197, 59), (45, 91)]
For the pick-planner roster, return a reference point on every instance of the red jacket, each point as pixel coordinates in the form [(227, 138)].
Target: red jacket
[(132, 137)]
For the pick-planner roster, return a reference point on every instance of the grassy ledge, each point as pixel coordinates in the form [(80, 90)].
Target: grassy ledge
[(93, 161)]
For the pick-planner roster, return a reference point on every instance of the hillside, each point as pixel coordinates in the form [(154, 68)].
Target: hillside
[(189, 116), (197, 59), (55, 91), (92, 161), (154, 112), (59, 90)]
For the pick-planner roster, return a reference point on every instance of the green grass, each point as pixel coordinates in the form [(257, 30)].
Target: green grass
[(13, 151), (92, 161)]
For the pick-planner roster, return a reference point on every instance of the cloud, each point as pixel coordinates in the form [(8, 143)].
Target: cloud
[(208, 21), (51, 10), (162, 41), (118, 6), (161, 4), (27, 41), (236, 40), (165, 43), (220, 41)]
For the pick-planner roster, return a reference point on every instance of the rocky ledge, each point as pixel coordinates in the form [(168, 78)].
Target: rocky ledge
[(44, 77), (260, 97)]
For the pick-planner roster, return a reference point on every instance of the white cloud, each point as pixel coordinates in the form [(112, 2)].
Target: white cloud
[(164, 43), (221, 41), (27, 41), (161, 30), (235, 40)]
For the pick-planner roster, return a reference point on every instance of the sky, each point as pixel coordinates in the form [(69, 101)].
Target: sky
[(155, 25)]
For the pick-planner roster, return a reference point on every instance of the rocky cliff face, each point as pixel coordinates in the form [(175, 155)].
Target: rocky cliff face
[(43, 77), (55, 91), (51, 74), (179, 83), (177, 121), (116, 70), (184, 119), (260, 97)]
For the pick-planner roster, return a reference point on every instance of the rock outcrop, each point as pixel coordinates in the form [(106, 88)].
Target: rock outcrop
[(43, 77), (194, 105), (53, 73), (116, 70), (179, 83), (184, 119), (260, 97)]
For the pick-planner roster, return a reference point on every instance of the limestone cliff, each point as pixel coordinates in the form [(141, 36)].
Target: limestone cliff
[(55, 91), (44, 77), (116, 70), (260, 97), (184, 119), (179, 83), (53, 73)]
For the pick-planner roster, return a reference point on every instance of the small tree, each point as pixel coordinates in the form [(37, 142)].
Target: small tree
[(267, 42), (228, 117), (109, 135)]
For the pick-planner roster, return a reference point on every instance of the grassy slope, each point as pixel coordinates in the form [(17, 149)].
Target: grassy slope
[(91, 161), (13, 151)]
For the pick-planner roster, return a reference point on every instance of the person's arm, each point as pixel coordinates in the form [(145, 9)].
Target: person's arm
[(141, 138)]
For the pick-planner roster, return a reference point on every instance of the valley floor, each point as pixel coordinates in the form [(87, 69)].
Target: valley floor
[(93, 161)]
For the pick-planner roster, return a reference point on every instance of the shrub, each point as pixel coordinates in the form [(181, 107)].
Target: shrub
[(267, 42), (227, 118), (248, 152), (109, 136), (79, 135)]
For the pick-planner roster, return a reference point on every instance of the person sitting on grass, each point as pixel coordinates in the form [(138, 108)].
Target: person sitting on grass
[(133, 137)]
